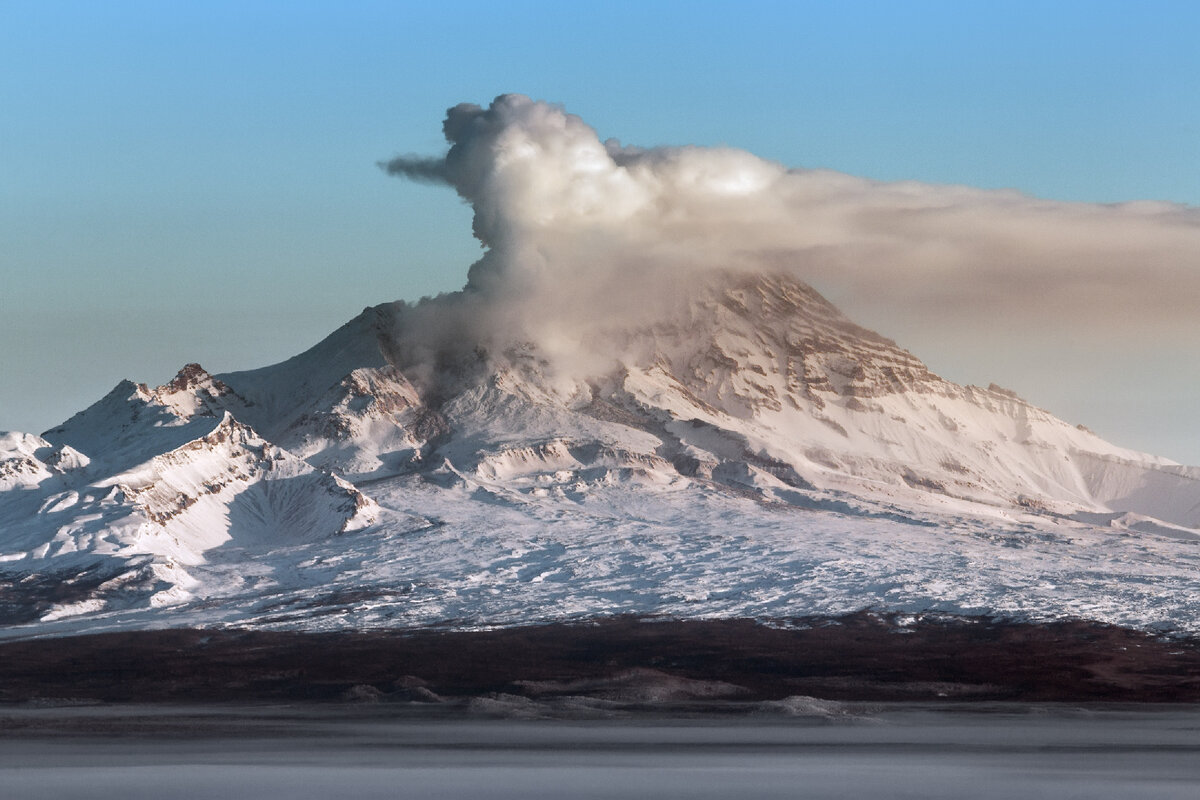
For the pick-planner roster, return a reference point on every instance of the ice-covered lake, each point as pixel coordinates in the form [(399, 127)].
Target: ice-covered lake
[(858, 752)]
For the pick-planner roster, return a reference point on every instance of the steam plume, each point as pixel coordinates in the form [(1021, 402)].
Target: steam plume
[(582, 233)]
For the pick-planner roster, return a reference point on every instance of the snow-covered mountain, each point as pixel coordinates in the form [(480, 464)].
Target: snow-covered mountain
[(749, 452)]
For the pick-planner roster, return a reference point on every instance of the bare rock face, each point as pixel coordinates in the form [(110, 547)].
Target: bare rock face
[(193, 391), (370, 423), (760, 342)]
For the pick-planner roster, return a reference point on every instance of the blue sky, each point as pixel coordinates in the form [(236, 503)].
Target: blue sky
[(197, 181)]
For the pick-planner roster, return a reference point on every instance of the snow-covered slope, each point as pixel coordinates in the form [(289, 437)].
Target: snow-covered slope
[(759, 383), (749, 452), (769, 369), (171, 482)]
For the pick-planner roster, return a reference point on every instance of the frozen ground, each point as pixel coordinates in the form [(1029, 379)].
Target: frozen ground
[(867, 752), (471, 556)]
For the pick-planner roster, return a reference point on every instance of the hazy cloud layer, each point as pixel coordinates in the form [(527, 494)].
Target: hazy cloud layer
[(581, 233)]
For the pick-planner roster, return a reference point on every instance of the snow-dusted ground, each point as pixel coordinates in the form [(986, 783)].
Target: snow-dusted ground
[(470, 555)]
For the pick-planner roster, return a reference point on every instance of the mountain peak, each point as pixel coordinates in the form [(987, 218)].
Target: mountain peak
[(191, 376), (193, 391)]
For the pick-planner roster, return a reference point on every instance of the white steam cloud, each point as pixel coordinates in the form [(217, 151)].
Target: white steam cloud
[(582, 233)]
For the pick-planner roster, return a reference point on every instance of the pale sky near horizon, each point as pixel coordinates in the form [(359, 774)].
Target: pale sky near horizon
[(198, 182)]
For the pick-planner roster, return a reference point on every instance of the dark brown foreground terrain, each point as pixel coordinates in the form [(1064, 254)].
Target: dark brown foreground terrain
[(857, 657)]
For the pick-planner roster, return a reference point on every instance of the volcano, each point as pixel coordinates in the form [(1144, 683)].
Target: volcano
[(749, 453)]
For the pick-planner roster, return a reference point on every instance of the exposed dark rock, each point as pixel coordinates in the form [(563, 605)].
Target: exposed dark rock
[(858, 657)]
